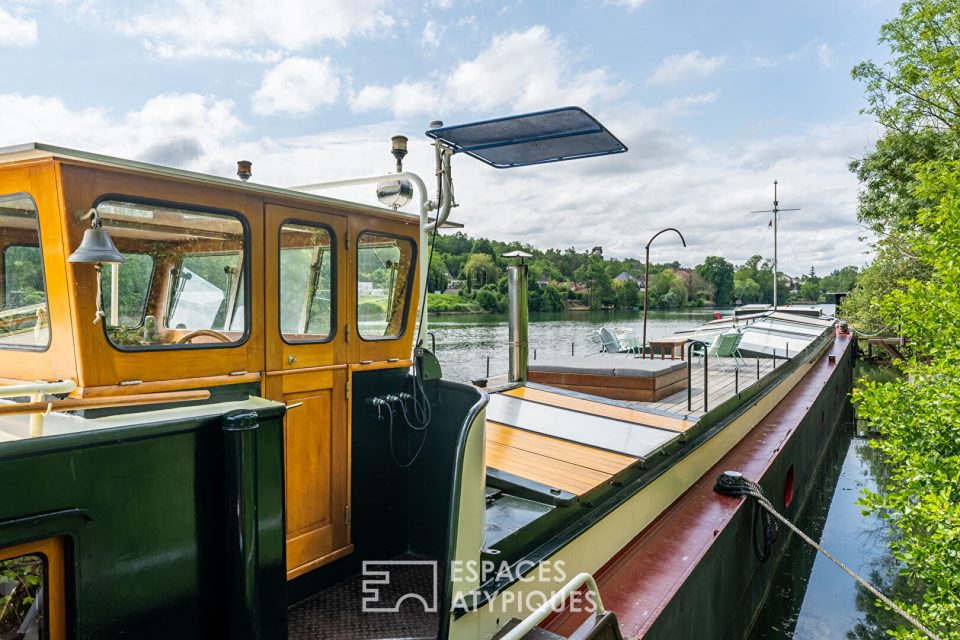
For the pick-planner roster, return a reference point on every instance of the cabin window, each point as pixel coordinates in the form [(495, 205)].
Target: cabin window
[(385, 268), (32, 590), (24, 319), (23, 610), (183, 283), (307, 276), (133, 285)]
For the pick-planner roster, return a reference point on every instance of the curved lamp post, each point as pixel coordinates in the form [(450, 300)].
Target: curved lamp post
[(646, 285)]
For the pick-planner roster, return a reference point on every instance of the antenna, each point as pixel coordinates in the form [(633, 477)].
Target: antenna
[(776, 212)]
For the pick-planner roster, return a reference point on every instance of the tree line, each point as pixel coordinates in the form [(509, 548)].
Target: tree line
[(474, 272)]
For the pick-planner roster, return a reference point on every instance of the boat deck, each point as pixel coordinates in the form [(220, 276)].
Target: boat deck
[(575, 442), (722, 384)]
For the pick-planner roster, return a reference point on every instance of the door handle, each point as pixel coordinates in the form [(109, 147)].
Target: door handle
[(293, 405)]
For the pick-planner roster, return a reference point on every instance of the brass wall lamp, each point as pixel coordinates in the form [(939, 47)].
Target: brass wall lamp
[(96, 248)]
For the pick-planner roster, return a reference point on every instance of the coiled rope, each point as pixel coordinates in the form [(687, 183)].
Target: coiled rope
[(733, 483)]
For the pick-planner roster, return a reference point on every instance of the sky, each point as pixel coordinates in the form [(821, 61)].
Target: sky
[(715, 100)]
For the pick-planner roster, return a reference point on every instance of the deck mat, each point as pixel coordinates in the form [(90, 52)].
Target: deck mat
[(337, 612)]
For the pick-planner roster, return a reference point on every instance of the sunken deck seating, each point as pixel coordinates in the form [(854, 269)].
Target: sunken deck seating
[(612, 376)]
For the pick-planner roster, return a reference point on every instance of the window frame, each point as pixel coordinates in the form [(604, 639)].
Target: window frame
[(410, 285), (53, 552), (43, 272), (334, 281), (247, 269), (229, 309), (146, 299)]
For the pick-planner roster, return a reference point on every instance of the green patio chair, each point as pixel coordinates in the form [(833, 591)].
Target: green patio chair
[(727, 345)]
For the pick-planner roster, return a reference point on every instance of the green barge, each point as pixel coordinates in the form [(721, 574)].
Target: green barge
[(220, 420)]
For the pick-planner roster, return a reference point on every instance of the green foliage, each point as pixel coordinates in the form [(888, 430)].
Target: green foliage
[(371, 310), (593, 273), (481, 269), (450, 303), (490, 301), (917, 88), (437, 276), (912, 199), (24, 277), (919, 415), (719, 273), (667, 290), (24, 575), (628, 294), (842, 280), (810, 290), (887, 201)]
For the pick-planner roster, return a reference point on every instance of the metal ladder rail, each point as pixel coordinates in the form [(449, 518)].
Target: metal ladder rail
[(554, 603)]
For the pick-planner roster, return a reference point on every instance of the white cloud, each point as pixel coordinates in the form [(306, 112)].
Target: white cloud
[(679, 67), (211, 27), (523, 70), (430, 39), (825, 54), (16, 31), (822, 51), (404, 99), (297, 86), (179, 130), (705, 189), (630, 5)]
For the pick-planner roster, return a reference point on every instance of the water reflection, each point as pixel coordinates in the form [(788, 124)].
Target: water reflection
[(465, 341), (812, 599)]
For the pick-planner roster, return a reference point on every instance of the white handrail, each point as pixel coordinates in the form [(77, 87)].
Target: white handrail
[(426, 206), (32, 388), (554, 604), (36, 391)]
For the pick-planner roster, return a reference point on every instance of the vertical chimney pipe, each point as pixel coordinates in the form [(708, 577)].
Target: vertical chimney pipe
[(518, 320)]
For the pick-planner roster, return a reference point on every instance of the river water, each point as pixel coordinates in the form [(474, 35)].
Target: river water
[(811, 599), (464, 342)]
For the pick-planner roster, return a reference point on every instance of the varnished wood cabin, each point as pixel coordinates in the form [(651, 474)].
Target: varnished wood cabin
[(225, 283)]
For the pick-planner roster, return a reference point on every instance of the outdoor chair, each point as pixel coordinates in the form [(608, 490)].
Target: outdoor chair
[(611, 343), (724, 345)]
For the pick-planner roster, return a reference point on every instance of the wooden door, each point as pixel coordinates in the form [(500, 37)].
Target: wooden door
[(306, 268)]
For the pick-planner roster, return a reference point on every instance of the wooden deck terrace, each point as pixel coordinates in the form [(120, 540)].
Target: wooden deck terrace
[(574, 442), (723, 381)]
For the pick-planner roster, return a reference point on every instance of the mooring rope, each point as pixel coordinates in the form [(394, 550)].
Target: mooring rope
[(733, 483)]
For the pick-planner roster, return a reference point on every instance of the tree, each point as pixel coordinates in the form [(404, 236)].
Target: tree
[(916, 96), (842, 280), (917, 88), (481, 270), (667, 290), (919, 414), (593, 274), (719, 273), (628, 294), (810, 290), (437, 275)]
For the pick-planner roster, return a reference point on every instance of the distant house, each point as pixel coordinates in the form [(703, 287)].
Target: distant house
[(624, 277), (454, 286)]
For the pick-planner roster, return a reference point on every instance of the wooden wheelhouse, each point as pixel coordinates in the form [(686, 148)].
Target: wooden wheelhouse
[(230, 291)]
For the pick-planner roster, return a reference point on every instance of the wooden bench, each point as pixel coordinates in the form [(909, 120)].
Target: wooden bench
[(612, 376)]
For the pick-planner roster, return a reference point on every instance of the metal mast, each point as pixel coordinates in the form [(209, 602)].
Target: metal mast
[(776, 212)]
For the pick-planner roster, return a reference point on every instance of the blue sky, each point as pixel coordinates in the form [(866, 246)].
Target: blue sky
[(715, 100)]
